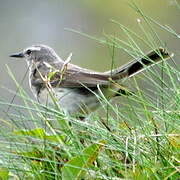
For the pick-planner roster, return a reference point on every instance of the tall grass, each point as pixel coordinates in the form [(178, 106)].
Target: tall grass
[(133, 137)]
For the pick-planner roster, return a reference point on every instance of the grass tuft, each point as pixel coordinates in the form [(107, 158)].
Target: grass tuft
[(133, 137)]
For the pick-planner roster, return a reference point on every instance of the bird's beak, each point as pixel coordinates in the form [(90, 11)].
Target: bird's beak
[(17, 55)]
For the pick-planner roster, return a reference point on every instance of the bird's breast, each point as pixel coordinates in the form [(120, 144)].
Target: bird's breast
[(69, 99)]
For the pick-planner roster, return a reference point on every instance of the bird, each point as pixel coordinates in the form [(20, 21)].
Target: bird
[(76, 89)]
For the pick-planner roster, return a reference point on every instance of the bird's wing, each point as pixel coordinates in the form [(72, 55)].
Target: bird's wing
[(74, 76), (69, 75)]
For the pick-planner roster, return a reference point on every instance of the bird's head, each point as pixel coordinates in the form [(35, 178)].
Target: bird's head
[(37, 53)]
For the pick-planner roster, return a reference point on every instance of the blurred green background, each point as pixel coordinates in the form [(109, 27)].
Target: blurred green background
[(23, 23)]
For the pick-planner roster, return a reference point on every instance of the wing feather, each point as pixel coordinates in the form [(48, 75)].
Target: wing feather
[(75, 76)]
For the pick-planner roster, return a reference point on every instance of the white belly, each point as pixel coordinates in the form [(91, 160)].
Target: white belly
[(70, 100)]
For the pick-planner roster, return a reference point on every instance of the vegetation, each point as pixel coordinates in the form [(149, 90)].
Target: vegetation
[(133, 137)]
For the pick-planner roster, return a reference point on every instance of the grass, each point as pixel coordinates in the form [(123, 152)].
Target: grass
[(134, 137)]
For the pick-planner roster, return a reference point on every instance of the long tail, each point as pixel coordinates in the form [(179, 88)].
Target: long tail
[(136, 66)]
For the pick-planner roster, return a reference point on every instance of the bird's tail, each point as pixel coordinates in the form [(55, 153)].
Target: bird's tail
[(136, 66)]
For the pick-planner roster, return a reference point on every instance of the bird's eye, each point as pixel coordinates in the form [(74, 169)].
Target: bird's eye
[(28, 52)]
